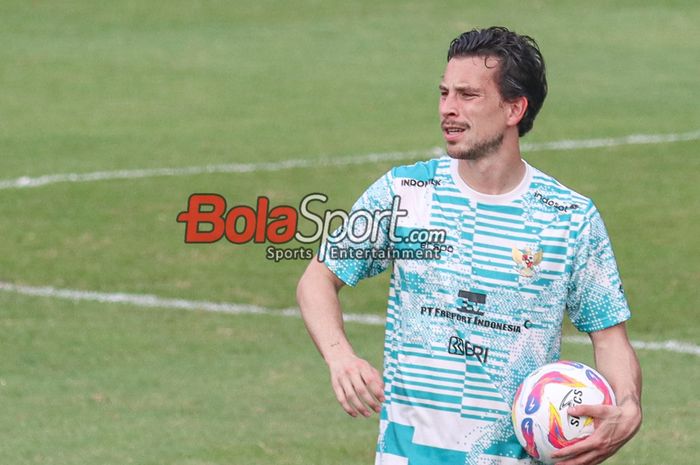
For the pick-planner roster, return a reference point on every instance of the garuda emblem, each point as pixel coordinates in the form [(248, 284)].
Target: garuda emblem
[(526, 261)]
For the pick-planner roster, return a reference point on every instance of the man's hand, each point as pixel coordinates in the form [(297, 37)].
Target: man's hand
[(614, 426), (358, 385)]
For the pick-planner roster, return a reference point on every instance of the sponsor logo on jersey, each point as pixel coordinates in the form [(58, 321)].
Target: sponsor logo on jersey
[(472, 302), (442, 313), (472, 311), (554, 204), (420, 183), (459, 346)]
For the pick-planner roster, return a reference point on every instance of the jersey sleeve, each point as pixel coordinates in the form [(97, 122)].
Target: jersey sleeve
[(596, 299), (364, 262)]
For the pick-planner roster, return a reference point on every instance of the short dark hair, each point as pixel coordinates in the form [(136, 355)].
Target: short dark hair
[(521, 71)]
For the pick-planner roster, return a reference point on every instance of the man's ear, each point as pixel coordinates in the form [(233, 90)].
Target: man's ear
[(516, 110)]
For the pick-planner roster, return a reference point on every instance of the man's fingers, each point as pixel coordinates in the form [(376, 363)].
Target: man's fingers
[(375, 383), (353, 398), (358, 387), (595, 411), (364, 395), (376, 389), (591, 443), (342, 398)]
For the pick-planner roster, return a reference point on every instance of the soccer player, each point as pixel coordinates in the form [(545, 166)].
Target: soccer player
[(518, 250)]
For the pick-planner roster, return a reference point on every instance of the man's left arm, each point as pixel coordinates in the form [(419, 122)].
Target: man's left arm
[(614, 425)]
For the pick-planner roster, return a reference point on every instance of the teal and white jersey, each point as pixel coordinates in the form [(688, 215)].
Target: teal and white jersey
[(463, 330)]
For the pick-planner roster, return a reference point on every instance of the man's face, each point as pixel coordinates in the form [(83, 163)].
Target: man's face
[(473, 115)]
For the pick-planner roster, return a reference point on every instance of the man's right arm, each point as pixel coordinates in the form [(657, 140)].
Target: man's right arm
[(358, 386)]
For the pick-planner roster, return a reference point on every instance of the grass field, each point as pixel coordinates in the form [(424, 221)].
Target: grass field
[(98, 86)]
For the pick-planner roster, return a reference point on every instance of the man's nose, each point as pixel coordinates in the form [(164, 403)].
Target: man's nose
[(448, 106)]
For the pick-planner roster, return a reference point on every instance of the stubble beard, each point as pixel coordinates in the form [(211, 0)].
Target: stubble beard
[(478, 150)]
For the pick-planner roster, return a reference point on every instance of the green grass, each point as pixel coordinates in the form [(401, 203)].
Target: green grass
[(92, 86), (134, 386), (93, 383)]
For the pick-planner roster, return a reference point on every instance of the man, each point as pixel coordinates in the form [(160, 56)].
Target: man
[(464, 329)]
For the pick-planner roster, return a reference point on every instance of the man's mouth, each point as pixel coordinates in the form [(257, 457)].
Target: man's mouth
[(452, 132)]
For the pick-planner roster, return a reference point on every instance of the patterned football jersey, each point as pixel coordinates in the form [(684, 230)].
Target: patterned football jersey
[(464, 328)]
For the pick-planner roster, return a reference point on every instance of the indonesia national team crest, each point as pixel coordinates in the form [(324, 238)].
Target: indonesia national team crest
[(526, 261)]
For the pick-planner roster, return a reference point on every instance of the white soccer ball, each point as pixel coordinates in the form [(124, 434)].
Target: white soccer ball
[(540, 418)]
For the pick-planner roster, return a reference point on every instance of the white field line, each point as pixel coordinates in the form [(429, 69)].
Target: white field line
[(26, 181), (671, 345), (152, 301)]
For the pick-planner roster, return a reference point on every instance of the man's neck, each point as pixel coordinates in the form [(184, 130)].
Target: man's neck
[(496, 173)]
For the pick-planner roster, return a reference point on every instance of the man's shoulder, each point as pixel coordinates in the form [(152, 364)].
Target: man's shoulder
[(553, 194)]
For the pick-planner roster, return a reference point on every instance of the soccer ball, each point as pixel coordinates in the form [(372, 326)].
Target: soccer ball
[(540, 418)]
